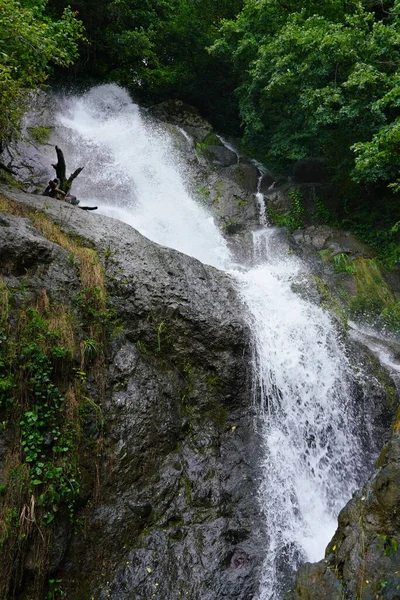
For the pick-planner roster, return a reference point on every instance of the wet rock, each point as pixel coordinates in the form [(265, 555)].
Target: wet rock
[(185, 116), (266, 183), (25, 156), (140, 509), (236, 209), (178, 473), (221, 156), (316, 582), (244, 175), (21, 246), (322, 237)]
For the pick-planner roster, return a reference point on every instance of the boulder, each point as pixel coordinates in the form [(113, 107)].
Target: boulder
[(185, 116), (322, 237), (220, 155)]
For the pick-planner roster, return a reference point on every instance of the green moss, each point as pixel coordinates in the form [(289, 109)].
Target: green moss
[(242, 203), (326, 254), (218, 188), (40, 135), (188, 490), (396, 421), (329, 302), (387, 384), (212, 140), (231, 226), (202, 192), (9, 179), (212, 381), (391, 317), (373, 294), (43, 398), (200, 148)]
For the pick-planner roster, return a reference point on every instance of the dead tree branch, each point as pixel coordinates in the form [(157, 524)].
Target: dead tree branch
[(61, 169)]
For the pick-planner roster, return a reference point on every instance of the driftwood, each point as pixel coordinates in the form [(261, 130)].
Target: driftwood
[(60, 168), (60, 186)]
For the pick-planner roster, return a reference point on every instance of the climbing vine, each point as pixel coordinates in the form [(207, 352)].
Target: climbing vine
[(48, 351)]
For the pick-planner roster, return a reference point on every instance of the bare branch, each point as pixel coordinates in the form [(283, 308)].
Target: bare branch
[(60, 168)]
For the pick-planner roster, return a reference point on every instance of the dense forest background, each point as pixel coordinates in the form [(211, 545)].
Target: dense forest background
[(293, 79)]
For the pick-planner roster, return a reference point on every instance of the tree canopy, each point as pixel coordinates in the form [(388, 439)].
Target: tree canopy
[(158, 50), (30, 42), (319, 79)]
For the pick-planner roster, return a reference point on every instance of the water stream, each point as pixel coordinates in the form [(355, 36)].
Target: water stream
[(301, 373)]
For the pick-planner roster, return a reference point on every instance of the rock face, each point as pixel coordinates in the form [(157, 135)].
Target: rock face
[(225, 181), (174, 512), (322, 237), (179, 113), (25, 157)]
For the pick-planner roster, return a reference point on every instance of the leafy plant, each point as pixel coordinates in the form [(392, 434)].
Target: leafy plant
[(55, 590), (343, 263), (295, 217), (41, 135)]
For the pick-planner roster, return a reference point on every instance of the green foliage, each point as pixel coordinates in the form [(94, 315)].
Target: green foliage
[(322, 214), (329, 302), (317, 79), (27, 369), (158, 50), (295, 218), (373, 295), (375, 223), (56, 591), (160, 330), (389, 546), (391, 317), (30, 42), (89, 348), (343, 263)]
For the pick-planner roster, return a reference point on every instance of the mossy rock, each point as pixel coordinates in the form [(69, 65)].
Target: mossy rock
[(40, 135)]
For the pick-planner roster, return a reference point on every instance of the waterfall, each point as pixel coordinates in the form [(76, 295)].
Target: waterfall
[(132, 173), (301, 372), (311, 455)]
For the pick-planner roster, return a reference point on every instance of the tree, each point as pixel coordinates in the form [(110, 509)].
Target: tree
[(30, 42), (158, 49), (317, 79)]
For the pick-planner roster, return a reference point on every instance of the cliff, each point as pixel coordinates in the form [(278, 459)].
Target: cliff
[(127, 455)]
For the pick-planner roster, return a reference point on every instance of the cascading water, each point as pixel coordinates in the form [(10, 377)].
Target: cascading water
[(311, 456), (131, 173)]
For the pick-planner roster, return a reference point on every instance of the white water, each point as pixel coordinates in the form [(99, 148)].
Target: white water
[(300, 370), (311, 455)]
